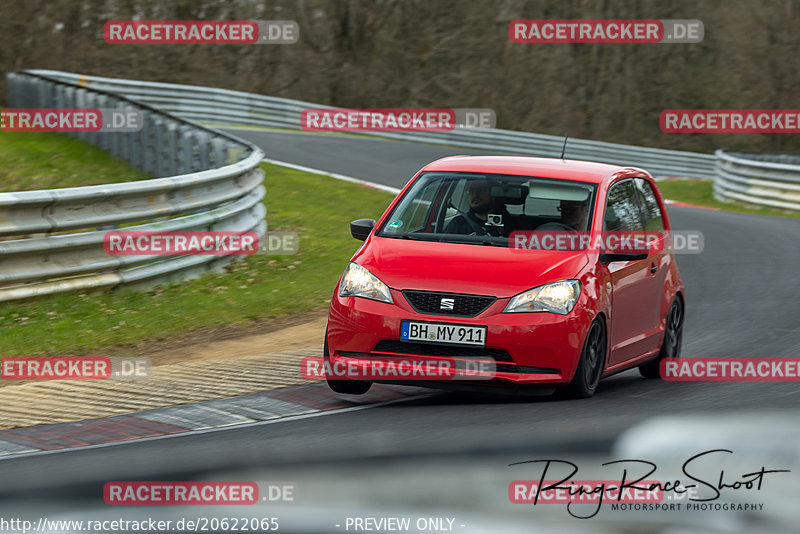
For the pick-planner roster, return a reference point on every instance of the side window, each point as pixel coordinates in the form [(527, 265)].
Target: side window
[(420, 207), (413, 211), (622, 212), (454, 199), (652, 213)]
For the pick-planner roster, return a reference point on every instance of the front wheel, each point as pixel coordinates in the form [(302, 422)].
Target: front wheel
[(349, 387), (671, 346), (590, 366)]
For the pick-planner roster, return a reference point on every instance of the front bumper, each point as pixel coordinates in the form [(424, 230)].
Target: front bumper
[(527, 348)]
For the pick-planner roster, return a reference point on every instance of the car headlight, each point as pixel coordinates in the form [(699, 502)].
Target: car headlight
[(359, 282), (558, 297)]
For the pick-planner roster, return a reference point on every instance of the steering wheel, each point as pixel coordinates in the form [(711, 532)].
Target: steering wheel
[(555, 225)]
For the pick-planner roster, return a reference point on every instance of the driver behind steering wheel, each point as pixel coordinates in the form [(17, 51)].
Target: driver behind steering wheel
[(480, 206)]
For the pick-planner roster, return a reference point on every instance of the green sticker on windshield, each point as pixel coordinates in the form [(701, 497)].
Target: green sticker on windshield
[(394, 225)]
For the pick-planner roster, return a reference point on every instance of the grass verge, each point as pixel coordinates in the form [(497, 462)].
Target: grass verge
[(34, 161), (317, 207), (701, 193)]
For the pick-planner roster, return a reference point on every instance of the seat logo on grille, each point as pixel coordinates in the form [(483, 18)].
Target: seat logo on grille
[(447, 304)]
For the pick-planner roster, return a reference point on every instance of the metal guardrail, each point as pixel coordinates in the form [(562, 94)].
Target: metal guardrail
[(51, 241), (223, 106), (761, 180), (758, 179)]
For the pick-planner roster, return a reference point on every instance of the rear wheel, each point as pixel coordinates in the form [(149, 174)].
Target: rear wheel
[(671, 346), (349, 387), (590, 366)]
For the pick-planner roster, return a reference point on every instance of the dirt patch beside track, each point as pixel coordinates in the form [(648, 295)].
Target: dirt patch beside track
[(184, 373)]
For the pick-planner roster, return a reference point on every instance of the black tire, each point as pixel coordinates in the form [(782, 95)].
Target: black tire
[(349, 387), (591, 364), (670, 345)]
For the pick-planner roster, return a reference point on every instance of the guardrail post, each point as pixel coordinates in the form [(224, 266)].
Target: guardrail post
[(40, 95), (116, 141), (219, 151), (133, 143), (181, 166), (59, 98), (92, 101), (203, 143), (171, 153), (80, 102), (190, 153), (148, 150), (13, 85), (156, 147), (69, 102)]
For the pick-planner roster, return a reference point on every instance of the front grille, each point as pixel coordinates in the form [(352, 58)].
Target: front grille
[(425, 349), (462, 305)]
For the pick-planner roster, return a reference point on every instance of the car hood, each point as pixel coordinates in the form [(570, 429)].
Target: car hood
[(458, 268)]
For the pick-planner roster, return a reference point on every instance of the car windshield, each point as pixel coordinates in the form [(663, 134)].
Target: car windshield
[(485, 208)]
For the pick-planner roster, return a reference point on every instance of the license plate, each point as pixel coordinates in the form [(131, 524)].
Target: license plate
[(444, 333)]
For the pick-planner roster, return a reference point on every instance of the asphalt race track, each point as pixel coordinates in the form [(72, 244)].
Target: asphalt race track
[(742, 301)]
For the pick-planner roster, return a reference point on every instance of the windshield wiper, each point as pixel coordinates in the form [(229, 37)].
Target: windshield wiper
[(445, 239), (415, 237), (476, 242)]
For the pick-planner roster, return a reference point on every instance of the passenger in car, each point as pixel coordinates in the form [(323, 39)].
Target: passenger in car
[(574, 213)]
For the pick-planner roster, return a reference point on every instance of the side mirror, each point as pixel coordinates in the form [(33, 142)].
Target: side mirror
[(361, 228), (605, 259)]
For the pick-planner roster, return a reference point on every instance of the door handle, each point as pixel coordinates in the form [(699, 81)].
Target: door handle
[(653, 267)]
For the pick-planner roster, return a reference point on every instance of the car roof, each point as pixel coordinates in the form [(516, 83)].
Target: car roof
[(565, 169)]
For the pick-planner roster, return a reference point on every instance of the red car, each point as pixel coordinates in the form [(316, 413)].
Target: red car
[(440, 277)]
